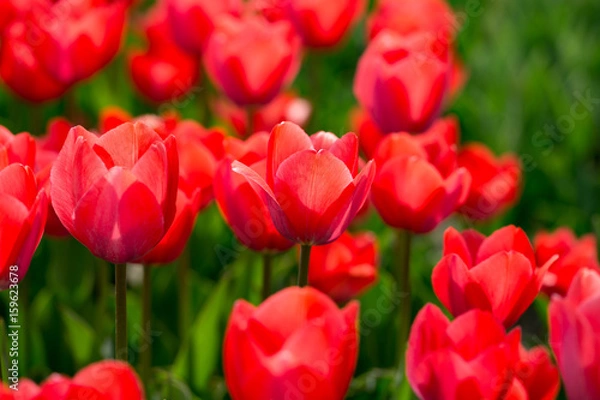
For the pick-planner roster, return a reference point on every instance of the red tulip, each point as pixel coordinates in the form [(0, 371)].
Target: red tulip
[(164, 72), (344, 268), (199, 153), (311, 188), (248, 151), (21, 69), (285, 107), (104, 380), (23, 212), (573, 255), (193, 21), (295, 345), (575, 335), (112, 117), (495, 184), (409, 192), (251, 60), (116, 193), (402, 81), (406, 17), (497, 274), (20, 148), (322, 24), (469, 358), (536, 378), (439, 142)]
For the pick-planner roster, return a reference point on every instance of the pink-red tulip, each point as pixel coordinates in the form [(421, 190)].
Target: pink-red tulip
[(469, 358), (322, 23), (23, 212), (573, 255), (192, 22), (496, 181), (311, 187), (251, 59), (402, 81), (409, 192), (575, 335), (295, 345), (497, 274), (164, 71), (20, 148), (116, 193), (345, 268), (535, 377)]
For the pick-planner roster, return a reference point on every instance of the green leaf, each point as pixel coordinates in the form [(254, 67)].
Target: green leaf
[(80, 335)]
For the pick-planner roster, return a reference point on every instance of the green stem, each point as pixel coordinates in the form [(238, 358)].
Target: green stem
[(121, 312), (183, 300), (3, 352), (146, 340), (402, 277), (303, 266), (267, 267), (250, 113)]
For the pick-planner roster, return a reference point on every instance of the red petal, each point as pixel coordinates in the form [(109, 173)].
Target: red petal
[(286, 139), (126, 143), (507, 239), (113, 379)]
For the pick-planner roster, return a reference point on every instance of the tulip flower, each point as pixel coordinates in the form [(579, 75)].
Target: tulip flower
[(345, 268), (297, 345), (23, 212), (251, 59), (401, 81), (285, 107), (497, 274), (164, 72), (536, 378), (575, 335), (116, 193), (411, 193), (20, 148), (495, 184), (322, 24), (573, 254), (192, 22), (469, 358)]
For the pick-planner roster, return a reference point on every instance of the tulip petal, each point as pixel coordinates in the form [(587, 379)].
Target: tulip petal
[(115, 380), (346, 149), (507, 239), (126, 143), (286, 139), (465, 245)]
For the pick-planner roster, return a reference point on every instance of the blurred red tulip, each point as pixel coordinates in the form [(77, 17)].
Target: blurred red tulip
[(285, 107), (536, 378), (573, 255), (112, 117), (496, 181), (20, 148), (469, 358), (322, 23), (295, 345), (163, 72), (199, 153), (23, 212), (345, 268), (248, 151), (408, 191), (402, 81), (251, 59), (407, 16), (193, 21), (312, 187), (575, 335), (497, 274), (369, 134), (116, 193)]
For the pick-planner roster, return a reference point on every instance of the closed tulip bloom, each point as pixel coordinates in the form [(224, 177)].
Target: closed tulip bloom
[(469, 358), (116, 193), (497, 274), (402, 81), (297, 344), (311, 187), (20, 148), (496, 181), (251, 59), (23, 212), (192, 22), (408, 191), (345, 268), (323, 24), (535, 377), (573, 255), (164, 71), (575, 335)]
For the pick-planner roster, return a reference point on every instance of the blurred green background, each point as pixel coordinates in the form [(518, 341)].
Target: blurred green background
[(530, 65)]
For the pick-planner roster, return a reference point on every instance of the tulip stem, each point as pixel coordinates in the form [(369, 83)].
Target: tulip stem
[(146, 339), (402, 276), (121, 312), (3, 352), (183, 300), (303, 266), (251, 113), (267, 268)]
